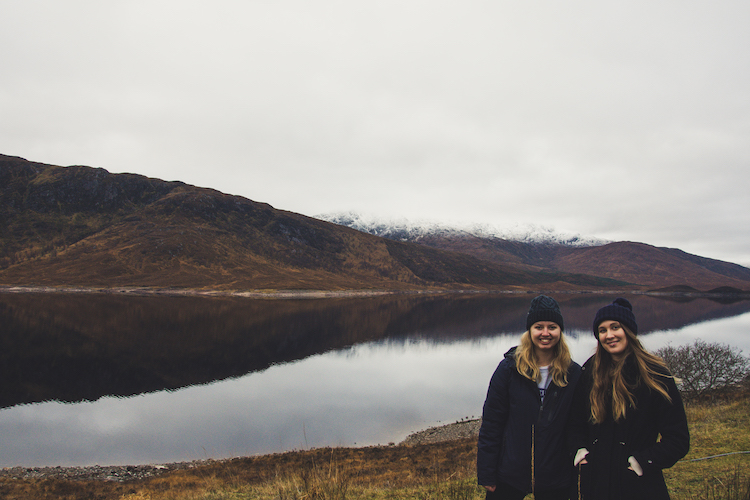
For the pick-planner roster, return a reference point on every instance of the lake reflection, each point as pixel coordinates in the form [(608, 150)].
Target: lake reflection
[(411, 363)]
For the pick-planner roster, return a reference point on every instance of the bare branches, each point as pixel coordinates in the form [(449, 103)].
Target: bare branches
[(705, 366)]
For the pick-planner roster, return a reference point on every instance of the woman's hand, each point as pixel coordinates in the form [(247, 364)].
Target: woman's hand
[(635, 466), (580, 457), (491, 489)]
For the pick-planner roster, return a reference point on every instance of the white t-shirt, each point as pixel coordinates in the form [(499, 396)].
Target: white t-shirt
[(544, 381)]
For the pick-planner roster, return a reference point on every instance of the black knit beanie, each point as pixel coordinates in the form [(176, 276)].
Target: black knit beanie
[(621, 311), (544, 308)]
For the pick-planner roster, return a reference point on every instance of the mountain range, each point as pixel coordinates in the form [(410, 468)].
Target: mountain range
[(535, 248), (85, 227)]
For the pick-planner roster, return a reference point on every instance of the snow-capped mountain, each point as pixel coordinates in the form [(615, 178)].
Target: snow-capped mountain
[(406, 230)]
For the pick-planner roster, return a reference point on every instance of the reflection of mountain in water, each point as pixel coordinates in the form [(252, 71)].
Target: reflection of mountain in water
[(82, 347)]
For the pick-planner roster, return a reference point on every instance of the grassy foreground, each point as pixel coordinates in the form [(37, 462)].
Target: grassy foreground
[(436, 471)]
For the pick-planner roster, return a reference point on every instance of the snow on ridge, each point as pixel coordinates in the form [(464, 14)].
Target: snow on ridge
[(406, 230), (532, 233)]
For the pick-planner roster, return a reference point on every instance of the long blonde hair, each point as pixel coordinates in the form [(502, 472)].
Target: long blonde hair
[(611, 392), (527, 365)]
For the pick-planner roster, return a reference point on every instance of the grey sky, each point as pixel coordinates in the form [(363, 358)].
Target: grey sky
[(627, 121)]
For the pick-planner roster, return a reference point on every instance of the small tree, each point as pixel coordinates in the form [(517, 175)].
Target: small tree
[(704, 366)]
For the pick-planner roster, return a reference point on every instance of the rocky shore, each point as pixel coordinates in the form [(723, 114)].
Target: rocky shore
[(119, 473), (123, 473), (449, 432)]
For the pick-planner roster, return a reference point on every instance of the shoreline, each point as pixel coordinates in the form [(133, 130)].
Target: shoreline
[(351, 293), (271, 293), (121, 473)]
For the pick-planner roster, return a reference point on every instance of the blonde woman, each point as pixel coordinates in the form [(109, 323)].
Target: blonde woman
[(628, 421), (521, 446)]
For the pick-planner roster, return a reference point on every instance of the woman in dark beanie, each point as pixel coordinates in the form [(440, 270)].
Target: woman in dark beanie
[(626, 399), (521, 446)]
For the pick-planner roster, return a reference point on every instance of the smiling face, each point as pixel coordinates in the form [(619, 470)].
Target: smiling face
[(613, 338), (544, 335)]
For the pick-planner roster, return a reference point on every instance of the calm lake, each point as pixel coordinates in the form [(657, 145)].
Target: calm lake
[(115, 379)]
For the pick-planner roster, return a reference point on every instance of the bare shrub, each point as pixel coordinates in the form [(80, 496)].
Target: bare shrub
[(704, 366)]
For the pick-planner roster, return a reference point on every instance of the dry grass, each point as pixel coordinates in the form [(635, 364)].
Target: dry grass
[(716, 428), (383, 472)]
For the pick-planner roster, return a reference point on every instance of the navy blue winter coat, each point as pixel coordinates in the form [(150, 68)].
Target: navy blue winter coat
[(513, 412)]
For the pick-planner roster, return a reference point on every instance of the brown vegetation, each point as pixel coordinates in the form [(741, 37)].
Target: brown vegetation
[(82, 226), (381, 467), (629, 262)]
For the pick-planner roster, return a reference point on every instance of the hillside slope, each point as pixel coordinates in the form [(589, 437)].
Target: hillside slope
[(637, 263), (83, 226), (652, 266)]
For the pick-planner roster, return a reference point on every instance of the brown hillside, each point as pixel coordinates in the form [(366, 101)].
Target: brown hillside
[(86, 227), (652, 266), (522, 255), (636, 263)]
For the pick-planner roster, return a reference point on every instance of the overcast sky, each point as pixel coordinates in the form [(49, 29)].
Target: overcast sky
[(618, 120)]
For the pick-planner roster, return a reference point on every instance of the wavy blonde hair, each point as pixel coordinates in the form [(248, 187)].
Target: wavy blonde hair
[(527, 365), (610, 392)]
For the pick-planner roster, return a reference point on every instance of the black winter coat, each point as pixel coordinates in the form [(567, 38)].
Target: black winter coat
[(513, 412), (606, 476)]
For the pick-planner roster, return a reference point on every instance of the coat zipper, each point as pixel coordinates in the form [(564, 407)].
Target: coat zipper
[(533, 445)]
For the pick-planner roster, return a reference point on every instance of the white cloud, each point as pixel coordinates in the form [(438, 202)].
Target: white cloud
[(613, 120)]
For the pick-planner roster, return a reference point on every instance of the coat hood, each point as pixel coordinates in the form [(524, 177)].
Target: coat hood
[(510, 356)]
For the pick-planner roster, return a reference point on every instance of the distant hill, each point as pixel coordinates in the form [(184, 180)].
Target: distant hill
[(82, 226), (532, 249)]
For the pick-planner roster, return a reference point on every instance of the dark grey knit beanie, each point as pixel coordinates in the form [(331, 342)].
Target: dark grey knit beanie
[(544, 308), (621, 311)]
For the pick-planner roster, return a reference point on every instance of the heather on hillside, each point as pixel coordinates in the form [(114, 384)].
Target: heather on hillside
[(85, 227)]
